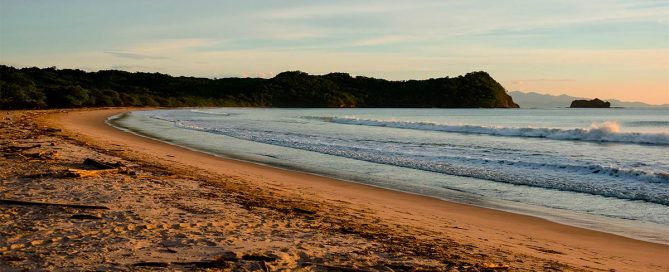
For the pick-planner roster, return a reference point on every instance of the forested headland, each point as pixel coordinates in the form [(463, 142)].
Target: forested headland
[(39, 88)]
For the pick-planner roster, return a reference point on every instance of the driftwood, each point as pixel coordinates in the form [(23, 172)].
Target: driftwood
[(14, 148), (99, 168), (101, 165), (22, 156), (81, 173), (31, 203), (44, 155)]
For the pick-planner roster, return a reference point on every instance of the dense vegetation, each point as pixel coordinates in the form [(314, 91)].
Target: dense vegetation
[(29, 88), (595, 103)]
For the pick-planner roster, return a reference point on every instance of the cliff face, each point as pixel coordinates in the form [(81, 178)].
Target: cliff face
[(595, 103), (507, 102), (53, 88)]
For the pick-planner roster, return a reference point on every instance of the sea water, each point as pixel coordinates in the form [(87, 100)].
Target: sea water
[(603, 169)]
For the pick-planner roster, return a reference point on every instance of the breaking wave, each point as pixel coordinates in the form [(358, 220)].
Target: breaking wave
[(631, 184), (603, 132)]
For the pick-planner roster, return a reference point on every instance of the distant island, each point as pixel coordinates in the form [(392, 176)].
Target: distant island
[(36, 88), (594, 103), (539, 100)]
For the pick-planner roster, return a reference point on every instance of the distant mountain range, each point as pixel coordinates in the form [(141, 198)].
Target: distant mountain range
[(537, 100)]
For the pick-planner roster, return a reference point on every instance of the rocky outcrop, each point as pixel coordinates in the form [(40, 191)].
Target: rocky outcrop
[(595, 103)]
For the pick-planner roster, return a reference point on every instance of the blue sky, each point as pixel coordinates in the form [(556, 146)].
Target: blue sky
[(606, 49)]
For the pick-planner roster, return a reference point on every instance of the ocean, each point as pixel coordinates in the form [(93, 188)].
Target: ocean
[(602, 169)]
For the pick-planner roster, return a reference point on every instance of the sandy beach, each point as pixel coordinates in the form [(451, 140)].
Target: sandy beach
[(160, 206)]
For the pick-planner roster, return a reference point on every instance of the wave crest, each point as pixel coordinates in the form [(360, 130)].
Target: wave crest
[(603, 132)]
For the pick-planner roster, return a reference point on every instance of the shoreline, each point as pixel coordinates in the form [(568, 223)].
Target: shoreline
[(567, 219), (303, 219), (537, 227)]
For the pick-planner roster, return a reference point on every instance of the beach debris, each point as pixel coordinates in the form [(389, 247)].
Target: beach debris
[(303, 211), (101, 165), (330, 267), (82, 173), (40, 155), (494, 267), (259, 257), (31, 203), (228, 255), (43, 174), (152, 264), (100, 168), (52, 130), (215, 263), (14, 148), (84, 216), (169, 250), (221, 261), (44, 155)]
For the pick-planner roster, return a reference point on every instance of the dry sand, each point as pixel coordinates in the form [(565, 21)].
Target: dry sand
[(171, 208)]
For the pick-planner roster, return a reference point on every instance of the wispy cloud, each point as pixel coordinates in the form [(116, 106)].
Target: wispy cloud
[(318, 10), (438, 19), (171, 45), (157, 50), (131, 55)]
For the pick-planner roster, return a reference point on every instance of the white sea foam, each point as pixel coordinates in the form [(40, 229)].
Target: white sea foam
[(211, 112), (630, 183), (602, 132)]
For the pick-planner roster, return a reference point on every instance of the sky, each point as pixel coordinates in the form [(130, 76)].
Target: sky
[(605, 49)]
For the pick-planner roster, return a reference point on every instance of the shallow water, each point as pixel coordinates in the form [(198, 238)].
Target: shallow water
[(604, 169)]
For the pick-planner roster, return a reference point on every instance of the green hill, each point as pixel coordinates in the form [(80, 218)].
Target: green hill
[(29, 88)]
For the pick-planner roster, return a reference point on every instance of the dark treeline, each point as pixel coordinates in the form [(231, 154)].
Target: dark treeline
[(30, 88)]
